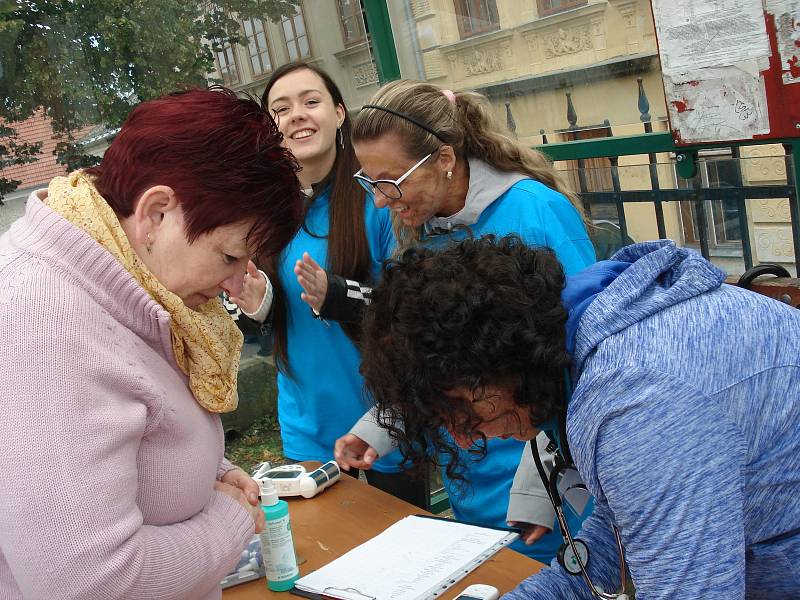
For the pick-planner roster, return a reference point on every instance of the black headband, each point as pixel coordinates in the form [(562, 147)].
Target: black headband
[(407, 118)]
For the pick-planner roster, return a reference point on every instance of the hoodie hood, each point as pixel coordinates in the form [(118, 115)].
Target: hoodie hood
[(637, 282), (486, 184)]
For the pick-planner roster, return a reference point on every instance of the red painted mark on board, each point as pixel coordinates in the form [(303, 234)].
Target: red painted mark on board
[(794, 68), (680, 106), (693, 83)]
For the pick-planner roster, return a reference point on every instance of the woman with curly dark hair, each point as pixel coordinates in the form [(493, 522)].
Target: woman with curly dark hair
[(472, 324), (669, 393)]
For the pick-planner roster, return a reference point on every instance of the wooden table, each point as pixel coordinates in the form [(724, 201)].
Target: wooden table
[(351, 512)]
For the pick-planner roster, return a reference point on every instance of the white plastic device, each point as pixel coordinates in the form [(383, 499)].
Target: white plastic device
[(479, 591), (294, 480)]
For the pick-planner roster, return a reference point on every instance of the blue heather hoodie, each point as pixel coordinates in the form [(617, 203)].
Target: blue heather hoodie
[(684, 425)]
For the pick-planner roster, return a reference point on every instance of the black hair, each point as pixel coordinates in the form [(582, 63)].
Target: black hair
[(482, 312)]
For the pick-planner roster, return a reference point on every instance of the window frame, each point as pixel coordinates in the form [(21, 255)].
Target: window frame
[(597, 171), (232, 66), (715, 215), (358, 16), (295, 39), (259, 51), (461, 9), (570, 4)]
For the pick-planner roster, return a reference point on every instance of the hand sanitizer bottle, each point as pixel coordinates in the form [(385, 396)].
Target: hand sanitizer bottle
[(277, 546)]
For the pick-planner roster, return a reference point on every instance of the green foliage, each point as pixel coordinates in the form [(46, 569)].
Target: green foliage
[(14, 153), (88, 61), (260, 442)]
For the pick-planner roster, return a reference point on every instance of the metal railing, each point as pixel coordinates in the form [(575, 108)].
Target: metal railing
[(649, 144)]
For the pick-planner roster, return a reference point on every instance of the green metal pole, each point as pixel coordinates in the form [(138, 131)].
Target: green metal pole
[(380, 32), (793, 177)]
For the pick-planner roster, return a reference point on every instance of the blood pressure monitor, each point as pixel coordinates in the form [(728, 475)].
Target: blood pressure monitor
[(294, 480)]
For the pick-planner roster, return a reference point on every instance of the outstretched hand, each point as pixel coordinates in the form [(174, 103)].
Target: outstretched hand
[(314, 281), (351, 451), (530, 533), (253, 290)]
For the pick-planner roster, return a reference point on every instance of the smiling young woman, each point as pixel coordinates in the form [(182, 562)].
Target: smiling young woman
[(319, 387)]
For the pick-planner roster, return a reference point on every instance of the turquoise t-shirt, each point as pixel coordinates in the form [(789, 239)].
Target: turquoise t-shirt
[(541, 217), (322, 397)]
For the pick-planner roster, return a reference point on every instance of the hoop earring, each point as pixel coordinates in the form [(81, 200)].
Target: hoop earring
[(340, 136)]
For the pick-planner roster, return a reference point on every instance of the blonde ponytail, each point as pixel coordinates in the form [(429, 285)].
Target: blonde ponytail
[(466, 124)]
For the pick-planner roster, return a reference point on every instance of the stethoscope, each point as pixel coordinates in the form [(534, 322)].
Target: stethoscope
[(573, 555)]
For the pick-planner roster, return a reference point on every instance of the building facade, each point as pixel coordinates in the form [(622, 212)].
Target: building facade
[(553, 70)]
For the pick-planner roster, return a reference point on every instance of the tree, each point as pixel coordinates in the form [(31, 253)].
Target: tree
[(89, 61), (14, 153)]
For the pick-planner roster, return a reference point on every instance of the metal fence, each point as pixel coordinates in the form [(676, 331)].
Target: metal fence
[(649, 144)]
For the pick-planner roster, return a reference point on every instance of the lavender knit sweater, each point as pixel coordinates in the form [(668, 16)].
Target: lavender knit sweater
[(108, 462)]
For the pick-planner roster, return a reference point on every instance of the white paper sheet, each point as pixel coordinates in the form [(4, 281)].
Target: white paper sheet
[(728, 103), (416, 558), (712, 33)]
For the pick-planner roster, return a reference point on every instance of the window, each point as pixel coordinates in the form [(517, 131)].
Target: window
[(352, 15), (226, 64), (596, 174), (722, 216), (294, 31), (257, 46), (476, 16), (550, 7)]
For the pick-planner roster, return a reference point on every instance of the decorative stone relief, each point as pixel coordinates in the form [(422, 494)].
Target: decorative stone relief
[(534, 48), (764, 163), (567, 41), (628, 12), (432, 61), (365, 74), (770, 211), (479, 61), (774, 244), (598, 33), (421, 8), (629, 17)]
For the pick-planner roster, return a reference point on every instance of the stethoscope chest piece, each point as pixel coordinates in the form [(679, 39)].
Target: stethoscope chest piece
[(567, 559)]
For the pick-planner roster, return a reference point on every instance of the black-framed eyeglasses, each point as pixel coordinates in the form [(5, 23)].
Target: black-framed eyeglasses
[(389, 188)]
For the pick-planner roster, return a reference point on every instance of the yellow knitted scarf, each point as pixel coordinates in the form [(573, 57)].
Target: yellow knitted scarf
[(206, 342)]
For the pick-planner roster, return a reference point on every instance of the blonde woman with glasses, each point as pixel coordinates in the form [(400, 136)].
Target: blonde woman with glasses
[(446, 170)]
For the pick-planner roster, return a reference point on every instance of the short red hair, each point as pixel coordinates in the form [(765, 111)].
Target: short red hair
[(220, 153)]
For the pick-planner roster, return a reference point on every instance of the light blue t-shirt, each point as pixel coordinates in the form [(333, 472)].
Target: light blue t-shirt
[(322, 397), (541, 217)]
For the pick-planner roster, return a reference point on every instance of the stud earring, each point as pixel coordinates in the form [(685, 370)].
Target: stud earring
[(449, 175)]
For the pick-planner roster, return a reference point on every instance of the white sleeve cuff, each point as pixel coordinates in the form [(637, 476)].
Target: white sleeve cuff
[(368, 429), (266, 302)]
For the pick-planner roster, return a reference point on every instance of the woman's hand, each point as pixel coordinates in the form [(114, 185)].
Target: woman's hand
[(351, 451), (253, 290), (314, 281), (239, 479), (237, 494), (530, 533)]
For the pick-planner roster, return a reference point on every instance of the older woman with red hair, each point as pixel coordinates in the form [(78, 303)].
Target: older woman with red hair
[(115, 483)]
